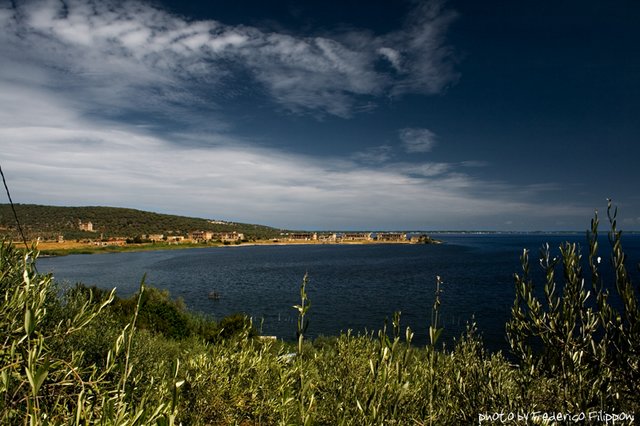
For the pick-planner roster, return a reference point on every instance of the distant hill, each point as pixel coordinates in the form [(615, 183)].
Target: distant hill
[(50, 221)]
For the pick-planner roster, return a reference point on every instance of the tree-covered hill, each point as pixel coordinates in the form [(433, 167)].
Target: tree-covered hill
[(50, 221)]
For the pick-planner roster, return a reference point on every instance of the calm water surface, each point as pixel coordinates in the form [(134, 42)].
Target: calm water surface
[(351, 286)]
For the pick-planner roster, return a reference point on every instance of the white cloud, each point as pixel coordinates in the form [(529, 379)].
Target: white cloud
[(134, 46), (417, 140), (427, 61), (70, 160), (392, 55), (422, 169)]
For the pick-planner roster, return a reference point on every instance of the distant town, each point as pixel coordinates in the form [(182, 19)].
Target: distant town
[(91, 229), (198, 236)]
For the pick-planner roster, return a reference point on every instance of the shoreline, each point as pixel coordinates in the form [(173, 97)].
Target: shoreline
[(51, 249)]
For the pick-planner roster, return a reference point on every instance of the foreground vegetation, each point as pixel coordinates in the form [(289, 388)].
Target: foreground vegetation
[(88, 357)]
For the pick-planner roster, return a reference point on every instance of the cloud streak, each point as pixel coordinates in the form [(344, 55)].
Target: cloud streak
[(374, 155), (417, 140), (113, 50)]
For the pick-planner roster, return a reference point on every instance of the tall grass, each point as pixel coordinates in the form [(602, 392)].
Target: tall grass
[(38, 386)]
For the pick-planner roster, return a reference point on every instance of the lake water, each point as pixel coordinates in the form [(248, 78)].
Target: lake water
[(350, 286)]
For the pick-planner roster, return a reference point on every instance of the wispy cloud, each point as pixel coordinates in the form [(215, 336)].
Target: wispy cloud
[(417, 140), (374, 155), (115, 51), (422, 169), (420, 52)]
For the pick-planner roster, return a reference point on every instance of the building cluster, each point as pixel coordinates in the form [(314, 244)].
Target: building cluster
[(85, 226), (336, 237), (220, 222), (236, 237), (204, 236), (195, 236), (157, 238)]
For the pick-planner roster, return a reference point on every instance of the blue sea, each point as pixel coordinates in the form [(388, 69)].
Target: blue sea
[(350, 286)]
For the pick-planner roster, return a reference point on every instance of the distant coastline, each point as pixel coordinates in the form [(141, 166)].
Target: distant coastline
[(71, 247), (52, 248)]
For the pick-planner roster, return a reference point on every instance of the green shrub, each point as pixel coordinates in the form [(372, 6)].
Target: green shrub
[(40, 385), (235, 325), (588, 355)]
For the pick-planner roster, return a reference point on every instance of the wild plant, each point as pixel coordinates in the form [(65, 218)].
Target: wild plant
[(306, 396), (472, 381), (434, 334), (382, 395), (578, 342), (37, 385), (238, 380), (623, 327)]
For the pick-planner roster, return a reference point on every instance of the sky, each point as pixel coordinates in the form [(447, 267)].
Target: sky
[(320, 115)]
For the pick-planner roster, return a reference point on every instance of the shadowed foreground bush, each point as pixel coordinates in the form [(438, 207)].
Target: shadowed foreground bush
[(40, 385), (74, 360)]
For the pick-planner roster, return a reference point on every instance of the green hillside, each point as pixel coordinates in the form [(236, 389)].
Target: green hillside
[(50, 221)]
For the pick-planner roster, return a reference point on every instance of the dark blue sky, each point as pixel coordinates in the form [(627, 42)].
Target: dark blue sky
[(494, 115)]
